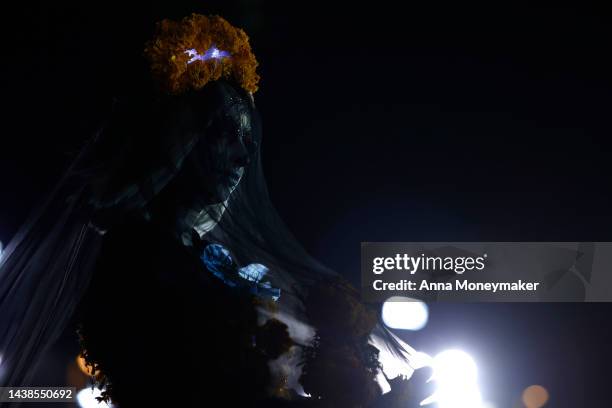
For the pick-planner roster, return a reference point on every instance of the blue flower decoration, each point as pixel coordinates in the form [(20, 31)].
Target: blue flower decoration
[(220, 263)]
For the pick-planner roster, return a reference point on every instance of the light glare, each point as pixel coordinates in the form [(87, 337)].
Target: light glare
[(404, 313), (455, 374), (87, 398)]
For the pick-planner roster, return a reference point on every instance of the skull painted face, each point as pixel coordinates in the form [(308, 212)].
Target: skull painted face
[(222, 132), (229, 148)]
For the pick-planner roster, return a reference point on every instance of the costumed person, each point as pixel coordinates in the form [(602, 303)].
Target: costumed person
[(161, 247)]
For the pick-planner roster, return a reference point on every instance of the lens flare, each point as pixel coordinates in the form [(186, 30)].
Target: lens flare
[(535, 396)]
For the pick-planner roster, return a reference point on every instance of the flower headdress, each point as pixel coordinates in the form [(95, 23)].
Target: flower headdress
[(190, 53)]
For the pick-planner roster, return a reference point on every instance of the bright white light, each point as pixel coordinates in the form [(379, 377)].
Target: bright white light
[(420, 360), (455, 374), (455, 366), (405, 313), (87, 398)]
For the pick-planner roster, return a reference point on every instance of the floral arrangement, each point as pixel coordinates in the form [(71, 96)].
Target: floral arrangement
[(198, 49)]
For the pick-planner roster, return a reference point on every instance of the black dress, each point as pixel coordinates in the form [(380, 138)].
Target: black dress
[(163, 330)]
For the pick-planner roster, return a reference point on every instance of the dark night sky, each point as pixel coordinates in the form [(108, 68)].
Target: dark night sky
[(448, 122)]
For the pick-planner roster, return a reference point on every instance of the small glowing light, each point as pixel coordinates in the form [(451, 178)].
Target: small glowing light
[(87, 398), (303, 393), (1, 250), (85, 369), (455, 374), (212, 53), (535, 396), (404, 313)]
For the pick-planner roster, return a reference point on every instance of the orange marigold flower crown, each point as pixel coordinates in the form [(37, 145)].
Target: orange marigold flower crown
[(190, 53)]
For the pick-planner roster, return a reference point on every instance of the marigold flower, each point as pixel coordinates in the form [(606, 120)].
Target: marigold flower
[(175, 69)]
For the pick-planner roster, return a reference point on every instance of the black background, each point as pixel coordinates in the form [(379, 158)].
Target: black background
[(383, 121)]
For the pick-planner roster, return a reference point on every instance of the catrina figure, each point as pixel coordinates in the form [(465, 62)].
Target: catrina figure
[(161, 249)]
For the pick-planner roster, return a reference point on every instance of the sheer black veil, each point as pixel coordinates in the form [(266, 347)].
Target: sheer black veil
[(47, 266)]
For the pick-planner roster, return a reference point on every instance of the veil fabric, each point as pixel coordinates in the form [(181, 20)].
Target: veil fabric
[(46, 268), (43, 271)]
